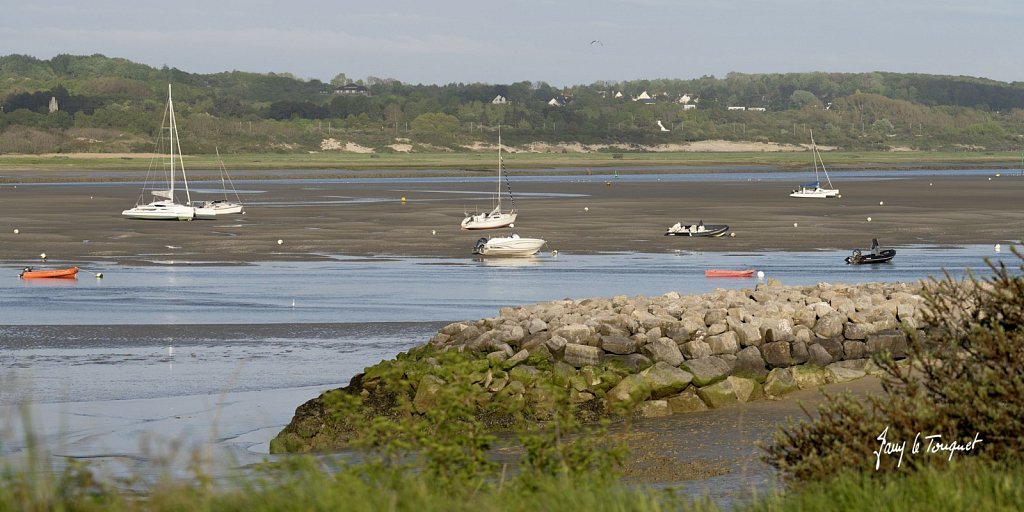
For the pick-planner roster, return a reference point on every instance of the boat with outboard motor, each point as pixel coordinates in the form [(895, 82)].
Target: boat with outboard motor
[(56, 273), (699, 229), (877, 255), (512, 245)]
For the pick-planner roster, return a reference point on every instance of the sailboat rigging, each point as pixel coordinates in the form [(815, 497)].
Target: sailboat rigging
[(814, 189), (496, 218), (165, 207)]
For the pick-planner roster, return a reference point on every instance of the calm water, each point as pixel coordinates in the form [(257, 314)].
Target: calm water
[(349, 290)]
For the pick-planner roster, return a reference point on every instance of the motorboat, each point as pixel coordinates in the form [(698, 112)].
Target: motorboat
[(512, 245), (714, 272), (166, 207), (57, 273), (814, 189), (496, 218), (699, 229), (877, 255)]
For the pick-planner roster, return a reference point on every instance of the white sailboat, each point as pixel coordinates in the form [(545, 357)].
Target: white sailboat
[(495, 218), (165, 207), (815, 190), (211, 209)]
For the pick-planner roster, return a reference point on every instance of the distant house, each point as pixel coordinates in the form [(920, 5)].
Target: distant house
[(352, 89), (644, 98), (53, 104), (737, 108), (685, 99), (618, 94), (689, 106), (757, 109), (557, 101), (499, 100)]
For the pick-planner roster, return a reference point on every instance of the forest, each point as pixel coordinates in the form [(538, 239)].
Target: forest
[(101, 104)]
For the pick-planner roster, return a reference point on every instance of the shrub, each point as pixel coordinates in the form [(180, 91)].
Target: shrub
[(964, 383)]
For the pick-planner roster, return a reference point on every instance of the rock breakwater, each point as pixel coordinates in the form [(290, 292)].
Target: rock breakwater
[(655, 356)]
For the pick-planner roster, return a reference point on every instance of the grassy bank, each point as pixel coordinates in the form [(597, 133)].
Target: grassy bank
[(439, 163), (302, 483)]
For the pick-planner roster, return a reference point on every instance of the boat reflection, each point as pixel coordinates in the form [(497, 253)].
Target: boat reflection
[(517, 261)]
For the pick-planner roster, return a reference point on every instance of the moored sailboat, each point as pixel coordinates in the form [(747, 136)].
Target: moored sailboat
[(814, 189), (496, 218), (166, 208)]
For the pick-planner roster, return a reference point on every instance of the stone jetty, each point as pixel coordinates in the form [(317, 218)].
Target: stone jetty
[(668, 354)]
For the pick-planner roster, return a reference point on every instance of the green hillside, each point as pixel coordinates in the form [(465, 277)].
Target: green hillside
[(114, 105)]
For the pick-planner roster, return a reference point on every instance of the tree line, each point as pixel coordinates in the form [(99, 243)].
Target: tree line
[(110, 98)]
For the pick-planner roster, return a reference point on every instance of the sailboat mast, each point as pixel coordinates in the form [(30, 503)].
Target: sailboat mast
[(498, 191), (175, 141), (170, 134)]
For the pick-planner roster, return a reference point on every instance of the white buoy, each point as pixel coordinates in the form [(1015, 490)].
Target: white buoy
[(929, 184), (997, 175), (998, 248), (990, 179), (279, 241), (795, 225), (99, 275), (16, 231), (586, 208), (881, 203), (433, 231), (42, 255), (554, 253), (733, 234), (869, 219), (512, 225), (760, 275)]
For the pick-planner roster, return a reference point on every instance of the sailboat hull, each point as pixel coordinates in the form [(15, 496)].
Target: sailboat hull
[(816, 193), (211, 209), (161, 210), (488, 221)]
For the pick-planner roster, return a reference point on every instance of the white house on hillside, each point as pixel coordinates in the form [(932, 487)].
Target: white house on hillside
[(499, 100)]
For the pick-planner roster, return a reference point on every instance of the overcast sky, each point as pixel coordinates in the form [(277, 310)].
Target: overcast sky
[(445, 41)]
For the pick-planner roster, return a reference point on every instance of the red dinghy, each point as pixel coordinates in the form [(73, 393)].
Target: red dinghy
[(59, 273), (711, 272)]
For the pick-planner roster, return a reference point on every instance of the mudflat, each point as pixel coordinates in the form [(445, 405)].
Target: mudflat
[(81, 222)]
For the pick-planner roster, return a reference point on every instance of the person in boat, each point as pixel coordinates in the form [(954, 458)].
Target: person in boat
[(700, 225), (856, 256)]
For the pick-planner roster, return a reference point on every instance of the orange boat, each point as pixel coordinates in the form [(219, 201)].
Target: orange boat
[(728, 273), (57, 273)]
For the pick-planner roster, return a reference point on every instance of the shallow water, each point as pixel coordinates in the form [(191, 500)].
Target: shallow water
[(357, 290)]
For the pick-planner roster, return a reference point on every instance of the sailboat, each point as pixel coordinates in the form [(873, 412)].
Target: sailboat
[(165, 207), (815, 189), (211, 209), (496, 218)]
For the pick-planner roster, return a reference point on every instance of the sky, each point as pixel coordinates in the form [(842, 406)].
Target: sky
[(563, 43)]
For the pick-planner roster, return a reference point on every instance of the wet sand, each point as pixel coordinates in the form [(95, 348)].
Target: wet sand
[(82, 222)]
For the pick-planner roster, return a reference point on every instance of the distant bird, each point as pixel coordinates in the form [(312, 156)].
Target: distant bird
[(595, 41)]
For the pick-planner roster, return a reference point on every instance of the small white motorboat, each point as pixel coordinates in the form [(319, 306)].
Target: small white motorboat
[(512, 245)]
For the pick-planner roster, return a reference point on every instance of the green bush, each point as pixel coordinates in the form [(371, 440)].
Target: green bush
[(965, 383)]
